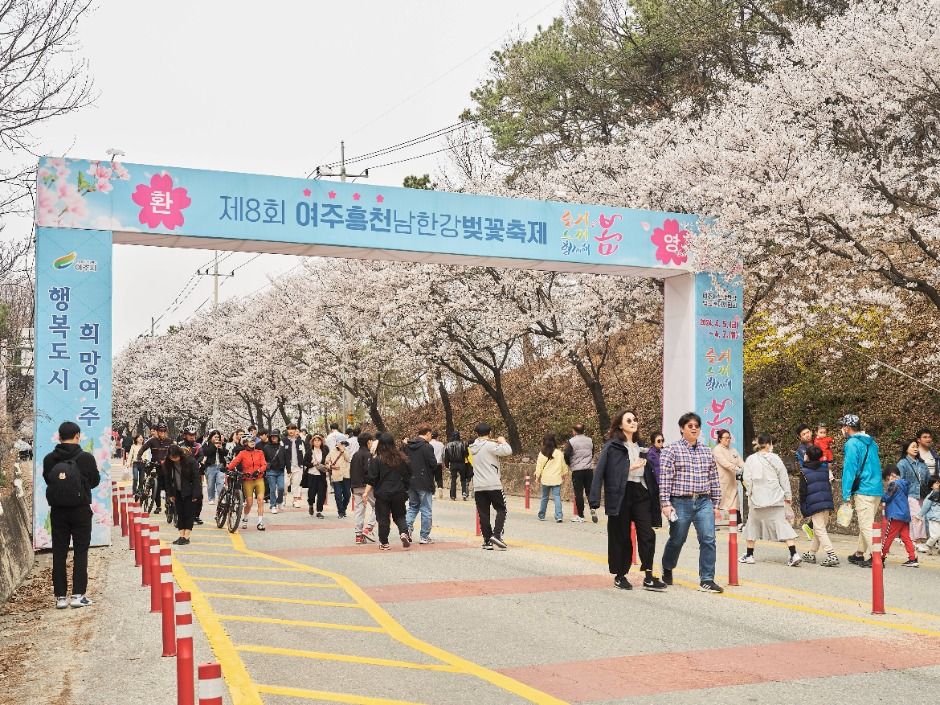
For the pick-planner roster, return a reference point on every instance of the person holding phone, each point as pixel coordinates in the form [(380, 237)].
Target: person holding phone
[(631, 496)]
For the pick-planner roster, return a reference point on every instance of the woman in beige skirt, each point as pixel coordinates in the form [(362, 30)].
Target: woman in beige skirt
[(729, 462), (768, 493)]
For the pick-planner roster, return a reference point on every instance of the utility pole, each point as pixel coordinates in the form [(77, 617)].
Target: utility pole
[(213, 422), (348, 403)]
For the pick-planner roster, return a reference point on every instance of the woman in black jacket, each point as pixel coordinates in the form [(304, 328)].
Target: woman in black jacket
[(388, 476), (631, 495), (212, 458), (185, 484)]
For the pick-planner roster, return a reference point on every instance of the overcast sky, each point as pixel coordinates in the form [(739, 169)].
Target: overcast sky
[(220, 85)]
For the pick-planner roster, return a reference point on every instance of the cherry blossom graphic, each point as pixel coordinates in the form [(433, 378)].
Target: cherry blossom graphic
[(356, 197), (307, 192), (160, 202), (380, 198), (332, 195), (670, 241)]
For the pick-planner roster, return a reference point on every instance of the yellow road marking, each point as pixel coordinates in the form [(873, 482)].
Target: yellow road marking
[(212, 553), (346, 658), (232, 566), (330, 696), (208, 543), (298, 623), (246, 581), (598, 558), (400, 634), (288, 600), (241, 687)]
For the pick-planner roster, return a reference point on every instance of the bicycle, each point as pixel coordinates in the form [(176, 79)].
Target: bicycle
[(147, 491), (231, 502)]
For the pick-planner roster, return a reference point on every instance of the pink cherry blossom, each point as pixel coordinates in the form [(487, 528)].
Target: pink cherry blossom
[(160, 202), (670, 241), (120, 171), (103, 186), (72, 201)]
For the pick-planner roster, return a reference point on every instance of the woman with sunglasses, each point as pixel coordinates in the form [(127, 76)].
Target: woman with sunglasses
[(657, 441), (631, 496)]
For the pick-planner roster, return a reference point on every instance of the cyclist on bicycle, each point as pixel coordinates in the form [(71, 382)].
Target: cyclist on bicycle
[(159, 446), (250, 460)]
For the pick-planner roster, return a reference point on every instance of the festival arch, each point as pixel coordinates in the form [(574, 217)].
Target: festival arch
[(84, 207)]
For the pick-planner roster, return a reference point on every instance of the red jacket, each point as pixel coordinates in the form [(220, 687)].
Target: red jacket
[(251, 462)]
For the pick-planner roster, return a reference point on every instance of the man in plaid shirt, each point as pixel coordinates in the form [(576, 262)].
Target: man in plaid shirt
[(688, 494)]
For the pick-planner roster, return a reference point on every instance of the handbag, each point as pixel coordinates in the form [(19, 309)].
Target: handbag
[(844, 515)]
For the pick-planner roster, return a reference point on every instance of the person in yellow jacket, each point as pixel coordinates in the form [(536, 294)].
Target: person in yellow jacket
[(550, 471)]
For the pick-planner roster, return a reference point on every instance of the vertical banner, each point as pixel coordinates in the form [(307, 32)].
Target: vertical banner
[(719, 357), (73, 362)]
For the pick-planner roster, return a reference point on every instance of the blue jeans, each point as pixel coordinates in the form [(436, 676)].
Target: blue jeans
[(275, 483), (342, 490), (701, 512), (419, 500), (555, 492), (214, 479)]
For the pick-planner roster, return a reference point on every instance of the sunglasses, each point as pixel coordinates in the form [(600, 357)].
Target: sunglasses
[(630, 419), (692, 425)]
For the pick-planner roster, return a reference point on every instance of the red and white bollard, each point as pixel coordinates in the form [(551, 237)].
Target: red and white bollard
[(185, 685), (210, 684), (477, 515), (138, 539), (877, 571), (527, 490), (154, 560), (115, 514), (733, 547), (145, 552), (124, 497), (166, 602), (131, 537)]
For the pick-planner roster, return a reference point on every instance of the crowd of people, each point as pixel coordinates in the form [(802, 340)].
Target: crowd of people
[(395, 480)]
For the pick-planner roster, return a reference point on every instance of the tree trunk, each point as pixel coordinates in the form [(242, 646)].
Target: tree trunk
[(495, 391), (597, 393), (448, 409), (376, 416)]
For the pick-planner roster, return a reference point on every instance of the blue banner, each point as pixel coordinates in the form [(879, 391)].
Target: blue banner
[(719, 357), (73, 362), (138, 198)]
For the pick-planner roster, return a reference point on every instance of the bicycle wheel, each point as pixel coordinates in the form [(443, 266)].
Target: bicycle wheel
[(221, 509), (237, 501), (146, 500)]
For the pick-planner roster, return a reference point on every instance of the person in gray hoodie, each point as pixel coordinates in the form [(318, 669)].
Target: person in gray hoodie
[(488, 485)]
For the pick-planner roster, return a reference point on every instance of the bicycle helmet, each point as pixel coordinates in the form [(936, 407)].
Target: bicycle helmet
[(851, 420), (189, 431), (249, 440), (162, 427)]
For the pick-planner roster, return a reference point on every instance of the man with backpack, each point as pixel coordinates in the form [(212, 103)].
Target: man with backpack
[(70, 474)]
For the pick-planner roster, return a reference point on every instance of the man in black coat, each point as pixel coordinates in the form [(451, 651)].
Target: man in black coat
[(421, 488), (70, 474)]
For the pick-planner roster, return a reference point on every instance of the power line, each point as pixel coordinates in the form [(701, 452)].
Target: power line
[(428, 154), (442, 76), (403, 145)]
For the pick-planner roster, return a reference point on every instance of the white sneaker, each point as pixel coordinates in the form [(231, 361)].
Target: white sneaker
[(211, 502), (577, 520), (274, 511), (260, 526), (426, 541), (80, 601), (921, 548), (61, 603), (795, 560), (747, 559)]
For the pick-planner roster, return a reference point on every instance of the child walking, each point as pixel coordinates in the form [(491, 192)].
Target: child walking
[(816, 505), (930, 512), (898, 513)]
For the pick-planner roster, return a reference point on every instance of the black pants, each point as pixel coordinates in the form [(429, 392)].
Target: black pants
[(462, 472), (186, 511), (635, 508), (160, 489), (70, 524), (484, 500), (316, 491), (439, 475), (394, 508), (581, 483)]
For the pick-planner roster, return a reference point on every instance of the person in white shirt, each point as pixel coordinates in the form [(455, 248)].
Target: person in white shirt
[(334, 437), (438, 449)]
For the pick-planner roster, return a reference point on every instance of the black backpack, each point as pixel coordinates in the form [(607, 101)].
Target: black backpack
[(455, 452), (66, 488)]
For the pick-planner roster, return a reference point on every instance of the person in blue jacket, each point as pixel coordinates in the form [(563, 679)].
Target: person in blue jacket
[(862, 482), (898, 513), (816, 504)]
